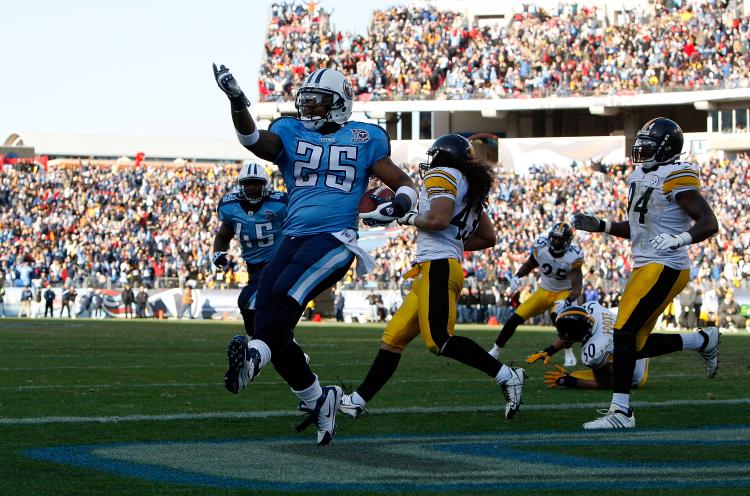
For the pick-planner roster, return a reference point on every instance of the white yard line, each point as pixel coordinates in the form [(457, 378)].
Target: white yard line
[(394, 410), (35, 387)]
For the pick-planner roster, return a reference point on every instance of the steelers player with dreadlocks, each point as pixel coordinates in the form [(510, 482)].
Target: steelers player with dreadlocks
[(450, 220)]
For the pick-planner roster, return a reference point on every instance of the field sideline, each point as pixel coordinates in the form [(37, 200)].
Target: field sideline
[(138, 407)]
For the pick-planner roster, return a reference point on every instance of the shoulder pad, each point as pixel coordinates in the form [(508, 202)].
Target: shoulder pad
[(541, 241), (277, 195), (229, 197), (281, 121)]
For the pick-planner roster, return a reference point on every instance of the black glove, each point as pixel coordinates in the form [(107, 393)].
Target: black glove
[(230, 87), (220, 260)]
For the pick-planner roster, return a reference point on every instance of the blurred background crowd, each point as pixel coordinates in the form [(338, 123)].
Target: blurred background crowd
[(153, 227)]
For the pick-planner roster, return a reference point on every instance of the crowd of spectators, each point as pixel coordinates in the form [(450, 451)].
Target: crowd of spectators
[(153, 227), (420, 51)]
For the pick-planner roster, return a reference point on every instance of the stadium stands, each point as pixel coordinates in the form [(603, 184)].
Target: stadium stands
[(100, 227), (419, 51)]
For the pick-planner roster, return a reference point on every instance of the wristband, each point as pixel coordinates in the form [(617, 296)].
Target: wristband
[(249, 139), (604, 226), (410, 193), (686, 238), (569, 381), (550, 350)]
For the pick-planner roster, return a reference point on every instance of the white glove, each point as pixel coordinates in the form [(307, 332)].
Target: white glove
[(408, 219), (585, 222), (382, 216), (666, 241), (515, 281)]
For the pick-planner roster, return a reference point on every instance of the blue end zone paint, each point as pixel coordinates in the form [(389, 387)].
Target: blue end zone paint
[(506, 446)]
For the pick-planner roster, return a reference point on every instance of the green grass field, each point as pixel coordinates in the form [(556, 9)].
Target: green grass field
[(138, 407)]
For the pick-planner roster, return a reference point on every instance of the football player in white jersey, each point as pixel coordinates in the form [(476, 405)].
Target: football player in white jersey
[(666, 212), (593, 325), (559, 263), (450, 220)]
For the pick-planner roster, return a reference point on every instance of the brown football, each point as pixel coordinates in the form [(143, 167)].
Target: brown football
[(374, 197)]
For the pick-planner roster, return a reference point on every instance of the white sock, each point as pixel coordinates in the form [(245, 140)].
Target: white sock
[(622, 401), (692, 341), (309, 396), (503, 375), (263, 350), (496, 350), (357, 399)]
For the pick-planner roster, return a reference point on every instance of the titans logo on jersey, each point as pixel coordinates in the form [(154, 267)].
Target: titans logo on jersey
[(258, 231), (326, 174)]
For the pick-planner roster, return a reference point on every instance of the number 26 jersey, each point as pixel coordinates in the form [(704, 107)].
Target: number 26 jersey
[(653, 209)]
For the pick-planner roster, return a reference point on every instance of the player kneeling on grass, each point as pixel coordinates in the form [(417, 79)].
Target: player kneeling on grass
[(593, 326), (450, 220)]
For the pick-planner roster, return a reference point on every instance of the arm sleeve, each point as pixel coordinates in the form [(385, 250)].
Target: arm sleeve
[(440, 184), (681, 180)]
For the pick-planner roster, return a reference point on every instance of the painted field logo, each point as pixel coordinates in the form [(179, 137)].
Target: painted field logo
[(550, 460)]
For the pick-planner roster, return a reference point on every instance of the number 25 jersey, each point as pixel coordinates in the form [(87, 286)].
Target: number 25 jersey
[(555, 270), (653, 209), (326, 174)]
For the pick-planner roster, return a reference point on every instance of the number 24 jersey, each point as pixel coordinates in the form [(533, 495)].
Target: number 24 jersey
[(653, 209)]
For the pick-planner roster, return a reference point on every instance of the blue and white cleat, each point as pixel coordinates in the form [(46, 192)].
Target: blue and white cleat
[(323, 415), (348, 407), (244, 365)]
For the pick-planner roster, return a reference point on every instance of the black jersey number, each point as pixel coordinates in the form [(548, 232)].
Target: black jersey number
[(561, 274), (466, 223), (641, 204)]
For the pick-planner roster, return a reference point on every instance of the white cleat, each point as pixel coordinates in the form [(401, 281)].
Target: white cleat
[(614, 418), (513, 391), (570, 358), (348, 407), (710, 350), (495, 352), (325, 410)]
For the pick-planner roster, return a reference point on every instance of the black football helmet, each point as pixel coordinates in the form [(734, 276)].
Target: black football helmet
[(449, 150), (560, 237), (658, 142), (573, 324)]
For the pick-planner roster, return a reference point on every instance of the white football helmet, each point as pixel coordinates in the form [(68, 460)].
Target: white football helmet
[(327, 88), (253, 182)]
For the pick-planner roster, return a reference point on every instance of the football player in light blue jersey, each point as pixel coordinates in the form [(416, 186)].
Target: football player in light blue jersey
[(254, 213), (327, 162)]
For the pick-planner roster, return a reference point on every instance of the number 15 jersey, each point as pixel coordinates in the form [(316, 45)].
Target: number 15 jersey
[(653, 209)]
